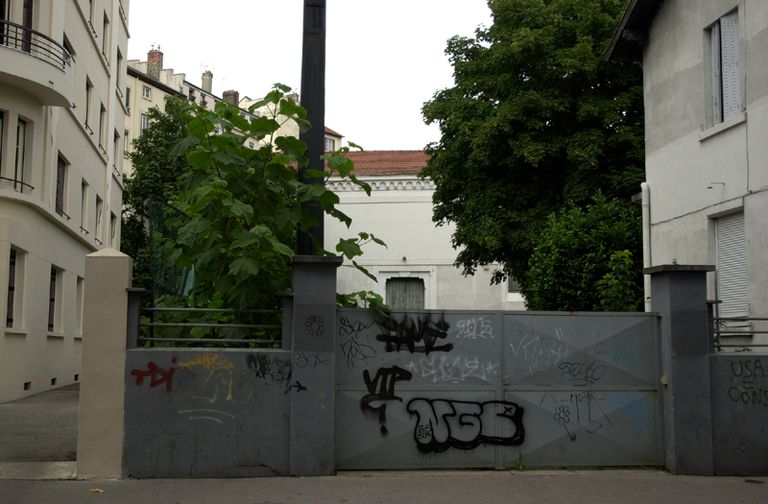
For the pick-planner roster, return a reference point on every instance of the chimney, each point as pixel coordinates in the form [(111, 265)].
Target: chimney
[(232, 97), (154, 62), (207, 81)]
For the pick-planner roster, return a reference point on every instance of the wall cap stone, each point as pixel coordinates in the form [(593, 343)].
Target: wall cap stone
[(313, 259)]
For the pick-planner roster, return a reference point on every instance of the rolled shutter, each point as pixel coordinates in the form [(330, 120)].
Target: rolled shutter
[(405, 293), (732, 266), (731, 65)]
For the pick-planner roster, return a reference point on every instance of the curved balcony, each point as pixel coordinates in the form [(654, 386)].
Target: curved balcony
[(37, 64)]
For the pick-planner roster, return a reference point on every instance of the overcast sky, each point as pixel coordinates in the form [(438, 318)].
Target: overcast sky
[(384, 58)]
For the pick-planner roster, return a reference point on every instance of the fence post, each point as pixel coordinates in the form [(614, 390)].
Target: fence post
[(313, 381), (102, 389), (680, 298)]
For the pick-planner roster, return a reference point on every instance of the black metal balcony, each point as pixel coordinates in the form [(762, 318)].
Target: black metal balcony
[(36, 44)]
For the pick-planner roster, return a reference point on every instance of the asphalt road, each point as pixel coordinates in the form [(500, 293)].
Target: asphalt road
[(503, 487)]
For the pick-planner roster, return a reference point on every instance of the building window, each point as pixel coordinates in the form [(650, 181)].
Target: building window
[(112, 230), (119, 71), (61, 185), (2, 128), (731, 261), (84, 206), (79, 304), (128, 99), (20, 157), (725, 49), (105, 37), (88, 96), (116, 147), (146, 92), (67, 45), (405, 293), (126, 143), (102, 125), (15, 283), (54, 300), (330, 144), (144, 122), (99, 217)]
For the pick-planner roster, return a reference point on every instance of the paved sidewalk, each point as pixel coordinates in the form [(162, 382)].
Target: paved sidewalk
[(465, 487), (40, 428)]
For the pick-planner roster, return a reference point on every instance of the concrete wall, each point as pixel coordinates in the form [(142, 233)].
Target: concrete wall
[(686, 152), (740, 413), (399, 211), (199, 413)]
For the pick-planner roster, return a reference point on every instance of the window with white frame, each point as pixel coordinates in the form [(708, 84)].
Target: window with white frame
[(54, 299), (146, 92), (84, 206), (144, 124), (99, 217), (330, 144), (405, 293), (15, 288), (112, 230), (725, 53), (62, 167)]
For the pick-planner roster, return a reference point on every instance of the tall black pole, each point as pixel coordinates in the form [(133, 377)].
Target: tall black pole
[(313, 99)]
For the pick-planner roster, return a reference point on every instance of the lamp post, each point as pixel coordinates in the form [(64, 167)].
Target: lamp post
[(313, 99)]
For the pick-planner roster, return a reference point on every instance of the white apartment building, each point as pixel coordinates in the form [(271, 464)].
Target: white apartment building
[(62, 116), (705, 80), (416, 270)]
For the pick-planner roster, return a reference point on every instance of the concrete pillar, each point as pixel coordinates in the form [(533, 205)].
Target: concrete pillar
[(313, 381), (680, 297), (105, 324)]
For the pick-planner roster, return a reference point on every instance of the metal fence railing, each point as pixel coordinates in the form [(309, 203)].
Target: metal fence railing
[(738, 333), (201, 327), (42, 47)]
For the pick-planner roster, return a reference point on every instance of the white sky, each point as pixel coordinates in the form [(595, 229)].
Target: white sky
[(384, 58)]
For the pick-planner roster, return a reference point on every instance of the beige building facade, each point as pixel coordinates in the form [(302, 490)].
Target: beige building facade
[(62, 116), (416, 269), (705, 72)]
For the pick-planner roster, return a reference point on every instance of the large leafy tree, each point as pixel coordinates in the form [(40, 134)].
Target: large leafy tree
[(536, 119)]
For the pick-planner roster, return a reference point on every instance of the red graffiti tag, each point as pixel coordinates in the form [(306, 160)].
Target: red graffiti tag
[(157, 376)]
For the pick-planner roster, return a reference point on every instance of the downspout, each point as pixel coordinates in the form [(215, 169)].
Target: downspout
[(646, 204)]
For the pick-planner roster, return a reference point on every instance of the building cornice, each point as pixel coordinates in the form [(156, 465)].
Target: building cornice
[(388, 183)]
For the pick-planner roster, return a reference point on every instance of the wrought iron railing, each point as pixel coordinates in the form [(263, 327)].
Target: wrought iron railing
[(739, 327), (18, 185), (40, 46)]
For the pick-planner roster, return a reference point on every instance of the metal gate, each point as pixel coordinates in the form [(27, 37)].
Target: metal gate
[(457, 389)]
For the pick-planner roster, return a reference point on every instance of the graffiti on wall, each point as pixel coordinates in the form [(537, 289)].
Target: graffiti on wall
[(354, 350), (381, 389), (210, 384), (578, 410), (749, 386), (416, 334), (453, 369), (442, 424), (475, 328), (540, 354)]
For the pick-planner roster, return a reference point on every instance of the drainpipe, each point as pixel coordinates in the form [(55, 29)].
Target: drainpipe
[(646, 204)]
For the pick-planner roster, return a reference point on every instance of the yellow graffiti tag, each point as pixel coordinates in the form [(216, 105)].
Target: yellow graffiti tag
[(209, 361)]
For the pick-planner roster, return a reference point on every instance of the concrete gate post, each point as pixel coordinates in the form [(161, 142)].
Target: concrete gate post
[(680, 297), (108, 275), (313, 381)]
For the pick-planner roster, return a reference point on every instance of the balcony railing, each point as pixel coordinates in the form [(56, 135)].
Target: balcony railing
[(40, 46), (18, 185)]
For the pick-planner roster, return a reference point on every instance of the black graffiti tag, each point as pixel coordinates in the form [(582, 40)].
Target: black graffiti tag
[(407, 332), (354, 350), (382, 389), (443, 424)]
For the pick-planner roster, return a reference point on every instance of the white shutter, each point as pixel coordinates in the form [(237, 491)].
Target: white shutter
[(731, 65), (717, 82), (731, 266)]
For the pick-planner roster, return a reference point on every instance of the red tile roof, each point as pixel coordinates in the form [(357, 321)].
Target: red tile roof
[(388, 162)]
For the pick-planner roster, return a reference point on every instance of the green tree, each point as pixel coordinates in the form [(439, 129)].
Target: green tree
[(149, 188), (239, 208), (536, 119), (588, 259)]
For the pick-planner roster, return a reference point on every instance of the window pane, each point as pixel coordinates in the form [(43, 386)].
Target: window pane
[(405, 293), (11, 289)]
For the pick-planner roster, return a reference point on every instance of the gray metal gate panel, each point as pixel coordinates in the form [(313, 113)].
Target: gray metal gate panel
[(492, 389)]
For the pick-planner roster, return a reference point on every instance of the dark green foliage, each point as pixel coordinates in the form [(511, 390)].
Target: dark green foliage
[(536, 120), (147, 192), (588, 260)]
